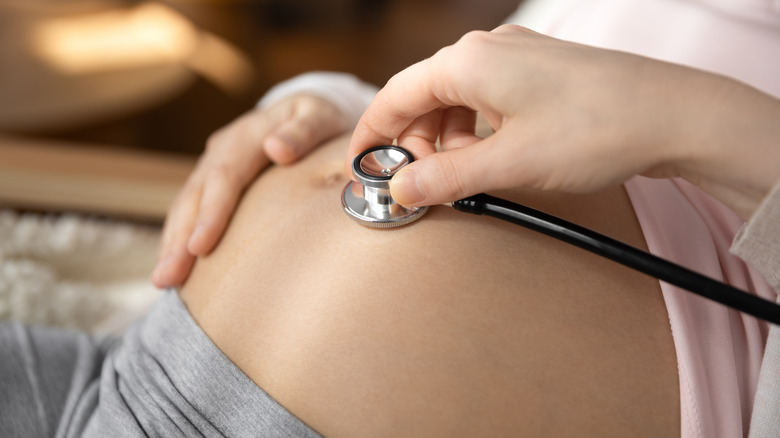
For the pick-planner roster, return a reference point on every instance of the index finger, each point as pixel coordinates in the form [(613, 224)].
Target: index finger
[(407, 96)]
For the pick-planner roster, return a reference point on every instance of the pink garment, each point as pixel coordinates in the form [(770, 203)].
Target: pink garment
[(719, 351), (737, 38)]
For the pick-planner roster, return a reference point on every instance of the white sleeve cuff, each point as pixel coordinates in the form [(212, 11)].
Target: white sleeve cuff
[(350, 95)]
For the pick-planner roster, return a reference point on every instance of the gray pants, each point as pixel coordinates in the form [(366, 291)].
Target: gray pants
[(164, 377)]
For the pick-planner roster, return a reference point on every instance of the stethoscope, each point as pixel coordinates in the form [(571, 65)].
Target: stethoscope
[(368, 201)]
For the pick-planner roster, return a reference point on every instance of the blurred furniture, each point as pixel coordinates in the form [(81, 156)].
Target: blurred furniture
[(44, 175)]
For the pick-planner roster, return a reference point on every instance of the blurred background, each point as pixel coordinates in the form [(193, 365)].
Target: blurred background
[(100, 96), (163, 75)]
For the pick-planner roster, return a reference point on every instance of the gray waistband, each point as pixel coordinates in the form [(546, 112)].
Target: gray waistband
[(167, 378)]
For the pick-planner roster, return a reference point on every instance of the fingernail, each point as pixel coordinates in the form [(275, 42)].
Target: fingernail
[(405, 189)]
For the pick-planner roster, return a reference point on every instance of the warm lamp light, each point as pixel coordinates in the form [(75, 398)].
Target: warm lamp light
[(146, 35)]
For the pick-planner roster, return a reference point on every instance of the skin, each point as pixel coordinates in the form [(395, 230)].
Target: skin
[(234, 156), (569, 118), (456, 325), (566, 117)]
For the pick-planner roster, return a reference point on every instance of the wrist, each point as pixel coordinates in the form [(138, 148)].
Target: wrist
[(345, 91), (732, 145)]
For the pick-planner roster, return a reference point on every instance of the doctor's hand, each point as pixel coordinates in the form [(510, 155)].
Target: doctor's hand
[(568, 117), (234, 156)]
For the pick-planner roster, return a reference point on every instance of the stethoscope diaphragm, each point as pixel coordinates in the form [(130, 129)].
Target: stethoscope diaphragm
[(367, 200)]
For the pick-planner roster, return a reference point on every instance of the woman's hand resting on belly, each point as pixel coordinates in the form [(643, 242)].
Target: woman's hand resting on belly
[(234, 156)]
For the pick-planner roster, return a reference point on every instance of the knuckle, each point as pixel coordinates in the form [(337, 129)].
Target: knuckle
[(508, 28), (306, 104), (474, 38), (305, 130), (323, 115), (459, 59), (452, 180), (223, 175), (215, 140)]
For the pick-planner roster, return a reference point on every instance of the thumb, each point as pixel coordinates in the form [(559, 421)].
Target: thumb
[(296, 137), (443, 177)]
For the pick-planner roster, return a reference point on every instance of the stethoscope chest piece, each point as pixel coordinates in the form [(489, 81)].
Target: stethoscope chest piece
[(367, 200)]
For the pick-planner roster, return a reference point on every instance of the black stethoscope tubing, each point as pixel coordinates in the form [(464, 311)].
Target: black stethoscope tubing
[(622, 253)]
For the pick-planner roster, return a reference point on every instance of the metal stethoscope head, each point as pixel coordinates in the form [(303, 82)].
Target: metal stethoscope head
[(367, 199)]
